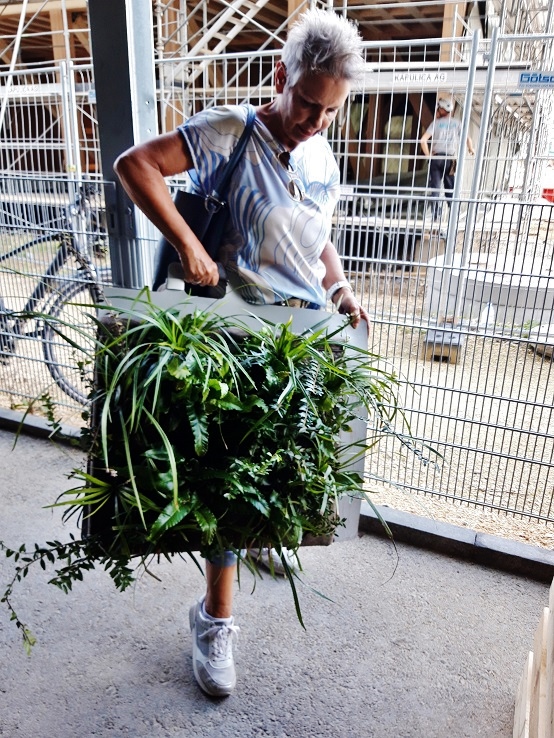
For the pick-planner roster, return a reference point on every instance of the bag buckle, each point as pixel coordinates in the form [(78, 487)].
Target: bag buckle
[(213, 203)]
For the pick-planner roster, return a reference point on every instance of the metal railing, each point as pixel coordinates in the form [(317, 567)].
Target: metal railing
[(48, 122), (478, 378)]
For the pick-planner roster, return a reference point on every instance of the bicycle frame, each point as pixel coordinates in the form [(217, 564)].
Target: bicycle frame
[(44, 283), (71, 242)]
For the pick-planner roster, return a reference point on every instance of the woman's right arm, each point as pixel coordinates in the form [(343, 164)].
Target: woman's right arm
[(142, 170)]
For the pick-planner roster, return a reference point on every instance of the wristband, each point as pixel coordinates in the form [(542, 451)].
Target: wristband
[(334, 288)]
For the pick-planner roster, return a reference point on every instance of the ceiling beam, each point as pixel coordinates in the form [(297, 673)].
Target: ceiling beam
[(36, 7), (292, 10), (10, 8), (79, 28), (6, 51), (58, 37)]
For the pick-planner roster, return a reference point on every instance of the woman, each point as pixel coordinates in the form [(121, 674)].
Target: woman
[(281, 200)]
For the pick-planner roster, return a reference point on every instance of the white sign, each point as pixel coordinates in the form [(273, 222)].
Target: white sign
[(16, 92), (536, 79), (420, 77)]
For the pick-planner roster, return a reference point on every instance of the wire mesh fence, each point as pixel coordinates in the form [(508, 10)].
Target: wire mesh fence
[(478, 380), (48, 122), (53, 261)]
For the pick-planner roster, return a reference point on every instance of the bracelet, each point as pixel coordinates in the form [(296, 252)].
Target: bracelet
[(334, 288)]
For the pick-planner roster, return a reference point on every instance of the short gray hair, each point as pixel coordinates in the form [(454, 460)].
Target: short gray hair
[(322, 42)]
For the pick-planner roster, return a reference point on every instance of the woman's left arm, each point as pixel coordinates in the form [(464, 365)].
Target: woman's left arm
[(336, 283)]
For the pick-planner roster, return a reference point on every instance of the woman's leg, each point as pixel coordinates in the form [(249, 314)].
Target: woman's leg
[(220, 581), (213, 629)]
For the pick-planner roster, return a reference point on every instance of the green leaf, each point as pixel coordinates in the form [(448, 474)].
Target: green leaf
[(168, 518), (207, 522), (199, 426), (170, 455)]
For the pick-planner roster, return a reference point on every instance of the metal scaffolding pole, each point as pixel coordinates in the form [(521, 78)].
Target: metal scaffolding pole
[(455, 207), (123, 57), (477, 171), (15, 52)]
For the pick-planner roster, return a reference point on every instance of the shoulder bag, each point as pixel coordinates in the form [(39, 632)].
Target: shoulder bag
[(206, 217)]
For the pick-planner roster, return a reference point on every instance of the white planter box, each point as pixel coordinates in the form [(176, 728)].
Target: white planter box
[(233, 306)]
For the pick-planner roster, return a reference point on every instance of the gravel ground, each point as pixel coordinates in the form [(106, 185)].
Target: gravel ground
[(485, 521)]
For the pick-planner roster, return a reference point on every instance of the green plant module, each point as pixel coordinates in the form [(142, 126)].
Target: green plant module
[(208, 435)]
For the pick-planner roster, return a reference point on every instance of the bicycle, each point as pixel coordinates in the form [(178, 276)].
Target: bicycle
[(56, 313)]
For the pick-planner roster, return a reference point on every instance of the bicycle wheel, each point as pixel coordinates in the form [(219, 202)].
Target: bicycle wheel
[(68, 339)]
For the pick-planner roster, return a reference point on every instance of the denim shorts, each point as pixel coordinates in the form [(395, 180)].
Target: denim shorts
[(227, 558)]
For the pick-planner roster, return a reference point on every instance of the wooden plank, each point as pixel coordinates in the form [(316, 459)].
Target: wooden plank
[(38, 7), (523, 701), (293, 8), (58, 36), (6, 51), (78, 23), (549, 706), (538, 718)]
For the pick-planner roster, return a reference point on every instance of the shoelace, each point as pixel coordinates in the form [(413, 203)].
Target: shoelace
[(221, 638)]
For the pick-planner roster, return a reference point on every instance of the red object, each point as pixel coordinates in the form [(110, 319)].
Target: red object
[(548, 194)]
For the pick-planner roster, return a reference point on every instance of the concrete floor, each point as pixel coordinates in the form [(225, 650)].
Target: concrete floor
[(414, 643)]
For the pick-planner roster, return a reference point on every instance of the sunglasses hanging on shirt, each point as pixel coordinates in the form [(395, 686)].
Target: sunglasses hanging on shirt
[(294, 186)]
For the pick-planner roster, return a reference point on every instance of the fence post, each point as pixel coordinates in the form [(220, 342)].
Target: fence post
[(70, 124), (479, 157), (455, 207), (123, 54)]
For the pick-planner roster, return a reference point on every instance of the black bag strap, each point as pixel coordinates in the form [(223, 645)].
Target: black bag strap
[(215, 200)]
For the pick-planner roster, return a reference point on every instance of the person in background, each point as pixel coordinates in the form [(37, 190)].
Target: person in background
[(277, 246), (444, 134)]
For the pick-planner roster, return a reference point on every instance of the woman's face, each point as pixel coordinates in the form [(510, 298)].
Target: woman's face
[(310, 106)]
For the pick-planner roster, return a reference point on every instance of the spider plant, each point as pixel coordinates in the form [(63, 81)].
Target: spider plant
[(210, 435), (233, 432)]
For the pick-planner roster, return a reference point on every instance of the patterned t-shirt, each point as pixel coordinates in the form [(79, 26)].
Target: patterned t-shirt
[(273, 242), (445, 136)]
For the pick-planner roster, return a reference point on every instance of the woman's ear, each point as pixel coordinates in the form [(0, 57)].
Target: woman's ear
[(280, 76)]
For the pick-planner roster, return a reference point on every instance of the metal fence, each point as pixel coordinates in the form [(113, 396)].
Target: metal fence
[(462, 304), (479, 377), (53, 252), (48, 122)]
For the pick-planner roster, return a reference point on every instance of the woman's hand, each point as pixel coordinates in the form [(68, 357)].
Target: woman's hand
[(198, 267), (347, 304), (343, 297)]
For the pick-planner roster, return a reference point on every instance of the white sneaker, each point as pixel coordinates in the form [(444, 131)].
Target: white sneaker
[(271, 560), (212, 651)]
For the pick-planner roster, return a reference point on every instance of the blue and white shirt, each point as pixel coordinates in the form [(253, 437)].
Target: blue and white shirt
[(273, 243)]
